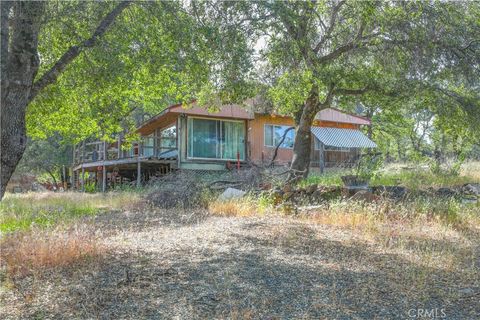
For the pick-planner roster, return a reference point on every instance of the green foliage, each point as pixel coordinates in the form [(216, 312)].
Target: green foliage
[(368, 165), (46, 158), (156, 53), (291, 91), (90, 187), (330, 178)]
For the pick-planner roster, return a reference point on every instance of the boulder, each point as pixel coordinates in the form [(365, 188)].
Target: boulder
[(392, 192), (311, 189), (231, 193), (365, 196), (471, 189), (446, 192)]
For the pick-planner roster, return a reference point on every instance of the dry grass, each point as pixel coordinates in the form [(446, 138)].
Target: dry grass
[(32, 252), (472, 170), (234, 207)]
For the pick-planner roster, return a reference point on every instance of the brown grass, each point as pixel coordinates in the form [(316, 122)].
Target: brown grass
[(25, 253), (472, 170), (234, 207)]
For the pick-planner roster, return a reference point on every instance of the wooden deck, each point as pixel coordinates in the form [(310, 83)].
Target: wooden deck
[(109, 162)]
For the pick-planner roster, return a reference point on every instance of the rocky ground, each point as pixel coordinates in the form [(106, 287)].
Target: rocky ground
[(189, 265)]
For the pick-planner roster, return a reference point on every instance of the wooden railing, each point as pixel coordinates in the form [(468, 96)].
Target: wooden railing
[(92, 151)]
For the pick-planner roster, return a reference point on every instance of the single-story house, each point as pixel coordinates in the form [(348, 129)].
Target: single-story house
[(194, 138)]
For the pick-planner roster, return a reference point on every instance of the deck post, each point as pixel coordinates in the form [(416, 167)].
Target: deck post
[(104, 168), (139, 171), (104, 178), (83, 179)]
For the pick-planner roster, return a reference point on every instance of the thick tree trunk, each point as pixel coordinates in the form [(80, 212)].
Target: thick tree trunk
[(21, 66), (303, 138)]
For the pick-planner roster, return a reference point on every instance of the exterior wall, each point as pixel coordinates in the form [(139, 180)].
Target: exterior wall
[(256, 150), (259, 153)]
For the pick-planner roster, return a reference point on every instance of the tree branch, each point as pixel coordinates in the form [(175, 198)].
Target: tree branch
[(352, 92), (275, 153), (331, 26), (51, 75), (329, 98), (344, 48)]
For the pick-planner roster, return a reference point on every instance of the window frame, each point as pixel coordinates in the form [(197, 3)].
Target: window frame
[(218, 147), (273, 136)]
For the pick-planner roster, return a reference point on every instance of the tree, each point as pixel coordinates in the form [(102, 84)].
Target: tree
[(155, 54), (321, 53), (20, 63)]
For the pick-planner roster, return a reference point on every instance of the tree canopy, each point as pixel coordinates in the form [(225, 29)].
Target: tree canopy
[(411, 66)]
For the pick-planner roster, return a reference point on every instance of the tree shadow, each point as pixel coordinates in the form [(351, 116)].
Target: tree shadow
[(256, 276)]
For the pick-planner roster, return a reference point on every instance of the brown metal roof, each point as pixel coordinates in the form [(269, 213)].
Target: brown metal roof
[(169, 115), (335, 115), (232, 111), (226, 111)]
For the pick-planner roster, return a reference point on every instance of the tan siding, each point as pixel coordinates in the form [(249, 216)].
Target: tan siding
[(259, 153)]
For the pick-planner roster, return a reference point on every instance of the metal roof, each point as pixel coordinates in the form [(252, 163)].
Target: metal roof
[(342, 138), (335, 115)]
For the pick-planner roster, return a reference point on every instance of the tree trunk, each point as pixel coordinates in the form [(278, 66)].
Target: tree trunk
[(303, 138), (21, 65)]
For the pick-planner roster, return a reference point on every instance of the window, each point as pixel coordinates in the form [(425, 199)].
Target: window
[(274, 134), (148, 143), (167, 138), (215, 139)]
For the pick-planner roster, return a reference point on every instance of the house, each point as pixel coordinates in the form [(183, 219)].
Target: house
[(195, 138)]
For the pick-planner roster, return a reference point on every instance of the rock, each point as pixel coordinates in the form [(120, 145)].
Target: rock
[(466, 291), (446, 192), (287, 195), (471, 189), (393, 192), (364, 195), (311, 189), (317, 194), (231, 193)]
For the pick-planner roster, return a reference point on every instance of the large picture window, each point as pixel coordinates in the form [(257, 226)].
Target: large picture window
[(215, 139), (273, 136)]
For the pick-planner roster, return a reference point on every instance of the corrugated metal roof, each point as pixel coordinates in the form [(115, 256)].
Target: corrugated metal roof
[(342, 138)]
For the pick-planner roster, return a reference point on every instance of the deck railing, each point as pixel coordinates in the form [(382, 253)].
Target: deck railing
[(146, 147)]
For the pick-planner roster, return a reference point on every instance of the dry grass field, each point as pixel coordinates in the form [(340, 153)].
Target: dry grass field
[(80, 256)]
